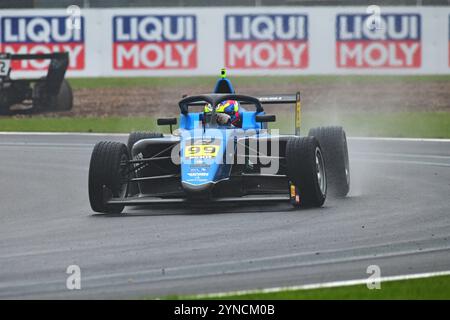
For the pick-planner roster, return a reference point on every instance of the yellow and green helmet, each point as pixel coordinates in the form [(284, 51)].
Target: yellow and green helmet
[(227, 106)]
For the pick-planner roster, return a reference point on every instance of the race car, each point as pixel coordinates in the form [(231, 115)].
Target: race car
[(206, 161), (49, 93)]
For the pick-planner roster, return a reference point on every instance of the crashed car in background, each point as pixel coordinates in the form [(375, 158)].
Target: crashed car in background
[(49, 93), (206, 162)]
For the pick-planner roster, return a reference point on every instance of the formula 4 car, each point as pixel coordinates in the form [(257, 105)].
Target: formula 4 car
[(49, 93), (206, 162)]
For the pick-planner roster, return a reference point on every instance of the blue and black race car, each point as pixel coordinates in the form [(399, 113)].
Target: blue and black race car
[(222, 151)]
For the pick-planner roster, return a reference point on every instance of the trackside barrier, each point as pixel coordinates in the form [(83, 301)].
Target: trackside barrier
[(249, 41)]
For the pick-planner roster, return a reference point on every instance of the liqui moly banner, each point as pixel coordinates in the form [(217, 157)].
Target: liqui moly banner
[(272, 41), (127, 42), (394, 41), (42, 34), (154, 42)]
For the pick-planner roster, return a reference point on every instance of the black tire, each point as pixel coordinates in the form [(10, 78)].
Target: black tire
[(139, 135), (64, 99), (334, 146), (106, 175), (302, 170)]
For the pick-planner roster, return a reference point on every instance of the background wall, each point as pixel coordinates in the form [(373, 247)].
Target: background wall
[(250, 41)]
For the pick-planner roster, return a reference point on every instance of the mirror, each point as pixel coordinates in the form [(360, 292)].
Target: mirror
[(166, 121), (266, 118)]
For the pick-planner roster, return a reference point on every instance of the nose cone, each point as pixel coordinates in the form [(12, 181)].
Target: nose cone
[(201, 190), (202, 161)]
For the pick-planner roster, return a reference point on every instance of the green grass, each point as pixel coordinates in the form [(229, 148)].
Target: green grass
[(402, 124), (100, 82), (78, 124), (414, 125), (425, 288)]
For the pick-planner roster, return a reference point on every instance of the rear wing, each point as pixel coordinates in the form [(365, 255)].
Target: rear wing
[(29, 56), (286, 99), (274, 99), (59, 62)]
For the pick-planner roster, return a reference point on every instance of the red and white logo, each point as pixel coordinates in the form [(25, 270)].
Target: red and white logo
[(266, 41), (38, 34), (154, 42), (394, 43)]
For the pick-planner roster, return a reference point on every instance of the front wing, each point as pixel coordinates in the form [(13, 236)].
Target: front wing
[(149, 200)]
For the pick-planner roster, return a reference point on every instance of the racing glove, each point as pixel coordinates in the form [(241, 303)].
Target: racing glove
[(223, 118)]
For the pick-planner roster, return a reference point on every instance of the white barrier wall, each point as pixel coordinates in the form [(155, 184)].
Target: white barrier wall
[(251, 41)]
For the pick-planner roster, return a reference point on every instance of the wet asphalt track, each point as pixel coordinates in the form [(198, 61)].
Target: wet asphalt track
[(397, 217)]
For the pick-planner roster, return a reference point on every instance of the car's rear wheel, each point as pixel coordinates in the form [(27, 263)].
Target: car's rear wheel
[(334, 146), (139, 135), (108, 173), (64, 99), (306, 171)]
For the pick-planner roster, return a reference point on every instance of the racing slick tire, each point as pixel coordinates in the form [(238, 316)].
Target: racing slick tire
[(139, 135), (64, 99), (106, 175), (306, 170), (334, 146)]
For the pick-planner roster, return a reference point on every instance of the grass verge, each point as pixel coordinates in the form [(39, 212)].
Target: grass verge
[(107, 82), (403, 124), (414, 289)]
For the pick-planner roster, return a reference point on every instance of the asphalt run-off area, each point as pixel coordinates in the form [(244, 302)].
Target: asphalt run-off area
[(396, 217)]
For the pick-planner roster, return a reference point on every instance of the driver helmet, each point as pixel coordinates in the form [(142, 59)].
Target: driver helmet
[(230, 111)]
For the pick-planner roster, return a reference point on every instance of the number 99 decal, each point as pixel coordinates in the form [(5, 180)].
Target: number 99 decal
[(201, 151)]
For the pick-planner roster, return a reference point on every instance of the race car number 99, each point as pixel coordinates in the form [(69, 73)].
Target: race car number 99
[(201, 151)]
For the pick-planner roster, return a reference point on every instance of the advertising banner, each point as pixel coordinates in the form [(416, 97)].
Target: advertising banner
[(42, 34), (248, 41), (154, 42), (394, 43), (266, 41)]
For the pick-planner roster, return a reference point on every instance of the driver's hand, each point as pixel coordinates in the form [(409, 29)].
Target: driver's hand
[(223, 118)]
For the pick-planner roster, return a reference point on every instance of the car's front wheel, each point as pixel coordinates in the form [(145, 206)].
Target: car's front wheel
[(108, 175), (306, 171)]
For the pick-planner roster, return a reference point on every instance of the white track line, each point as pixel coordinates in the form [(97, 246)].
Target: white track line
[(44, 144), (400, 155), (398, 139), (13, 133), (420, 163), (126, 134), (323, 285)]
